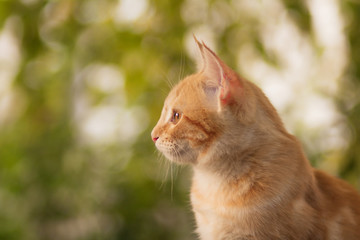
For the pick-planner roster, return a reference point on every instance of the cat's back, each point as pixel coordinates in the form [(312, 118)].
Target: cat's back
[(340, 206)]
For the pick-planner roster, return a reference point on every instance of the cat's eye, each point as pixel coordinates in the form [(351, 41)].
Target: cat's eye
[(175, 117)]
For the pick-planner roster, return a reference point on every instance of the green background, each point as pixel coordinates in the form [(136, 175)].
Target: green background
[(59, 182)]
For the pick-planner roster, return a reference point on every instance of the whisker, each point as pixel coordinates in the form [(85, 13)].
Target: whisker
[(182, 66), (164, 92), (170, 84), (169, 169), (165, 166), (162, 162), (165, 76), (172, 182)]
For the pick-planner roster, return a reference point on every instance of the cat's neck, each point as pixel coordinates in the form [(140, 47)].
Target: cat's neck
[(275, 164), (234, 153)]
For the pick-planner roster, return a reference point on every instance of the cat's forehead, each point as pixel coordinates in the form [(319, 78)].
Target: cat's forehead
[(184, 92), (174, 99)]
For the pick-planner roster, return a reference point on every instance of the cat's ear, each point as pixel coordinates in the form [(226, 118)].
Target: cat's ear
[(220, 77), (201, 60), (208, 63)]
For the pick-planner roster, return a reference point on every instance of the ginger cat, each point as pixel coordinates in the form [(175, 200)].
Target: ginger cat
[(251, 178)]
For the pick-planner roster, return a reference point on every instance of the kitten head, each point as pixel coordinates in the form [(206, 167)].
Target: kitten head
[(205, 108)]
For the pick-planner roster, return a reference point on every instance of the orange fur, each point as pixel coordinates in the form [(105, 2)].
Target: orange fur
[(251, 178)]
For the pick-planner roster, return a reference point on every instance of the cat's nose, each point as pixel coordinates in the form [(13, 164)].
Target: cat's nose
[(153, 136)]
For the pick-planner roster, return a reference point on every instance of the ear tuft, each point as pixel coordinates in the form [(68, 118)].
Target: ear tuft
[(198, 43), (201, 61)]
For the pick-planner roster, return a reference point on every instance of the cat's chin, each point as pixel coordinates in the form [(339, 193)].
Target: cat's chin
[(181, 157), (180, 152)]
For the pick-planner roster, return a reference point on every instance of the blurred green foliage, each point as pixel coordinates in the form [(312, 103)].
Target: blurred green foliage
[(57, 182), (349, 100)]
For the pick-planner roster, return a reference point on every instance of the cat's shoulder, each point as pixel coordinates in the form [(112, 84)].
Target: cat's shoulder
[(338, 196), (332, 186)]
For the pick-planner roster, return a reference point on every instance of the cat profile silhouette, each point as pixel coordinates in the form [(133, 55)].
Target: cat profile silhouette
[(251, 177)]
